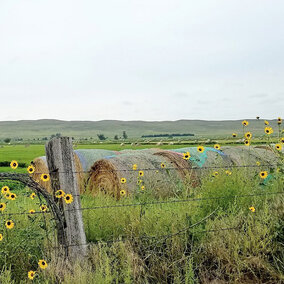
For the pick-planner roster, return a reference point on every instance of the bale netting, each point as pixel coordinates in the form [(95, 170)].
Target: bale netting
[(41, 167), (208, 159), (183, 167), (118, 175), (88, 157)]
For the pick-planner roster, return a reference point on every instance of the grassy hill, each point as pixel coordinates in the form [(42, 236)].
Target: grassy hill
[(46, 127)]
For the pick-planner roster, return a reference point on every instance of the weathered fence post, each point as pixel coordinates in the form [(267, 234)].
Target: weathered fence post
[(61, 165)]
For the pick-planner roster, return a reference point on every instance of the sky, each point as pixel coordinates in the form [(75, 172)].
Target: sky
[(141, 59)]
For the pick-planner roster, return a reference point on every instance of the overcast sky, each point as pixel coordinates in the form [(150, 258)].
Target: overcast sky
[(141, 59)]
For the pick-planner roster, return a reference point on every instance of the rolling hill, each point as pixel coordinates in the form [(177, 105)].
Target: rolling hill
[(135, 129)]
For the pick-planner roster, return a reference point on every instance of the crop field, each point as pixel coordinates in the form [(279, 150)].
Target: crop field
[(219, 220)]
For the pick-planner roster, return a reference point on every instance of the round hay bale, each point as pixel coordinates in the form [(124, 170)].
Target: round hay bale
[(183, 167), (85, 159), (106, 175), (41, 167), (249, 156)]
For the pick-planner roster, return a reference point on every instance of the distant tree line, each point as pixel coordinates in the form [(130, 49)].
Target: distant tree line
[(167, 135)]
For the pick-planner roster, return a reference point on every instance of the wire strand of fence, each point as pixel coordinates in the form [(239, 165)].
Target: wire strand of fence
[(178, 201), (162, 237), (153, 203)]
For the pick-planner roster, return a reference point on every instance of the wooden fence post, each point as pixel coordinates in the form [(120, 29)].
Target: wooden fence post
[(61, 165)]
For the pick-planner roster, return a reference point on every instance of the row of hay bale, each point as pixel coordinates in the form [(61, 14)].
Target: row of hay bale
[(162, 171)]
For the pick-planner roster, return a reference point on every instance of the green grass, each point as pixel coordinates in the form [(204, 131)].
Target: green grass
[(21, 153), (252, 253)]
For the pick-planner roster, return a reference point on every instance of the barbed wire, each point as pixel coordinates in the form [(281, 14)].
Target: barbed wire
[(152, 203), (162, 237)]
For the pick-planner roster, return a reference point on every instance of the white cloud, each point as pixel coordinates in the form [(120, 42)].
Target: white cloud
[(150, 60)]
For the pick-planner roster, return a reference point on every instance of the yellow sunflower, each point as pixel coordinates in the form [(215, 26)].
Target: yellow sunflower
[(268, 130), (200, 149), (141, 173), (248, 135), (59, 193), (7, 195), (9, 224), (14, 164), (234, 135), (252, 209), (5, 189), (122, 192), (68, 198), (263, 174), (134, 167), (278, 147), (142, 187), (186, 156), (45, 177), (282, 140), (217, 146), (123, 180), (13, 196), (32, 211), (247, 142), (32, 196), (163, 165), (266, 122), (1, 237), (42, 264), (245, 123), (31, 274), (43, 208), (279, 120), (215, 174), (228, 173), (2, 206), (31, 169)]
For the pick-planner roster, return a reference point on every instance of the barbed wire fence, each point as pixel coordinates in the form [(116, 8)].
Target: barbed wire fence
[(60, 212)]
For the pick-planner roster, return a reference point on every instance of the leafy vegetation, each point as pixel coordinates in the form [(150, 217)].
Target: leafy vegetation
[(160, 243)]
